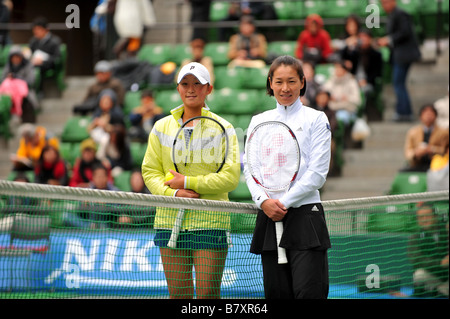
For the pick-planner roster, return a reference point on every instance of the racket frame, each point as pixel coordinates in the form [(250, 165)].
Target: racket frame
[(282, 258), (180, 215)]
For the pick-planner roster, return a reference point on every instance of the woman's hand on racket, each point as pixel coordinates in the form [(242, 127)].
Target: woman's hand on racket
[(177, 181), (274, 209)]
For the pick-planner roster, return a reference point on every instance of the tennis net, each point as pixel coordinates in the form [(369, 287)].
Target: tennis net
[(64, 242)]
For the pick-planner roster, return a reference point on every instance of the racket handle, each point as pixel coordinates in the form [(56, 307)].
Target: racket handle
[(176, 229), (282, 258)]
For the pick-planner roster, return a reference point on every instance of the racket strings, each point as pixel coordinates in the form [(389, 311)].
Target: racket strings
[(273, 156), (201, 149)]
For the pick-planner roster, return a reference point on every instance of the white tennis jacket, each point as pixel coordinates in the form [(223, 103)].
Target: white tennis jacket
[(313, 133)]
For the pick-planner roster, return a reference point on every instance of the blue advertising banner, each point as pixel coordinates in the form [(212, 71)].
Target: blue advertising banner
[(118, 262)]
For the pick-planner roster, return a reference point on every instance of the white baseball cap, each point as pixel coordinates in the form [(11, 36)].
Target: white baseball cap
[(197, 70)]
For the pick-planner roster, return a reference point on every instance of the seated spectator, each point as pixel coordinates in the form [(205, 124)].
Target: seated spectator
[(345, 93), (108, 114), (248, 48), (104, 80), (32, 141), (314, 43), (198, 50), (83, 167), (428, 253), (313, 87), (425, 140), (143, 117), (45, 47), (259, 9), (51, 168), (18, 81), (116, 154), (322, 100), (442, 108)]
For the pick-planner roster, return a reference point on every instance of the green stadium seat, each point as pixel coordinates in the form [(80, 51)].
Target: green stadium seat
[(239, 101), (168, 100), (283, 9), (75, 129), (218, 52), (155, 54), (181, 52), (255, 78), (282, 47), (5, 116), (132, 99), (229, 77), (29, 174), (408, 183), (392, 219), (340, 8), (137, 153), (323, 72), (66, 152), (122, 181), (302, 9), (219, 11), (265, 102)]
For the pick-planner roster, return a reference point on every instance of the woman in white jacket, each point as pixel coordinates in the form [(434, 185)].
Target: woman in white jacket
[(305, 235)]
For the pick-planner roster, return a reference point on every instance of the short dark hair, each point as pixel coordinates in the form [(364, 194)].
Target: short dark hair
[(40, 22), (426, 106), (290, 61)]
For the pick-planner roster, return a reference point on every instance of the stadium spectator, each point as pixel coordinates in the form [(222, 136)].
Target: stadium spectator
[(131, 19), (314, 43), (143, 117), (104, 80), (369, 72), (248, 48), (257, 9), (322, 100), (17, 80), (350, 51), (313, 88), (32, 141), (442, 108), (107, 115), (428, 252), (404, 51), (82, 169), (198, 50), (45, 48), (51, 168), (425, 140), (116, 154), (345, 93)]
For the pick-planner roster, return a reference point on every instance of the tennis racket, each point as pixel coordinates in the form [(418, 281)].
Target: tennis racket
[(273, 159), (200, 147)]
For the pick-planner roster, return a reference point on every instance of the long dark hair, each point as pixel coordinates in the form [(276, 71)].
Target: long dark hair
[(290, 61)]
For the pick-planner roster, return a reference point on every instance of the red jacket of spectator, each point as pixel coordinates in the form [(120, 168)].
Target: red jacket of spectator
[(319, 40)]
